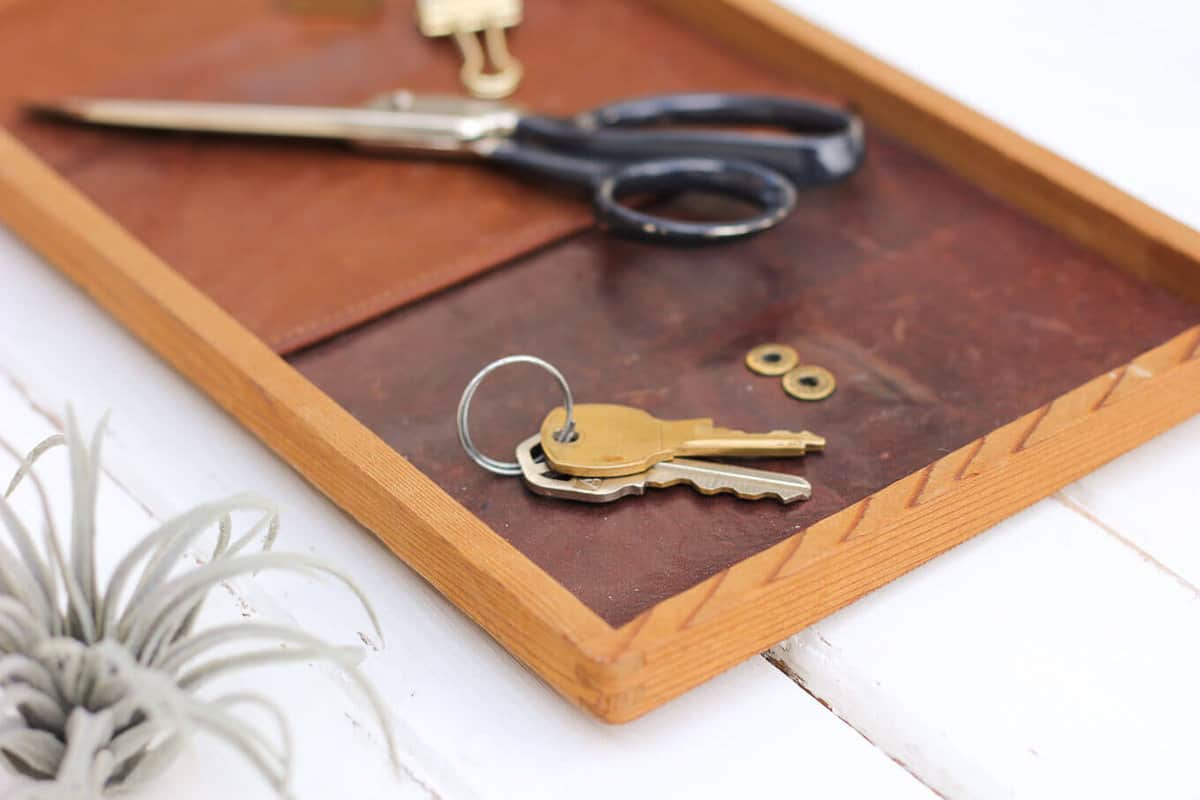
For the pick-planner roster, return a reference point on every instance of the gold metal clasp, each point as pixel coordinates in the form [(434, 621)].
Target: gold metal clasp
[(467, 21)]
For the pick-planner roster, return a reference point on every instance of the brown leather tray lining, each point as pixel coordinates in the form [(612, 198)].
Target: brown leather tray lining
[(943, 313), (301, 240)]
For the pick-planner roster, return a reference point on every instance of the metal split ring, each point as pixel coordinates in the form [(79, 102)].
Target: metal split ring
[(464, 408)]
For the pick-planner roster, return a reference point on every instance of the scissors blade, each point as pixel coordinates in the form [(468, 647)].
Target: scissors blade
[(404, 122), (311, 122)]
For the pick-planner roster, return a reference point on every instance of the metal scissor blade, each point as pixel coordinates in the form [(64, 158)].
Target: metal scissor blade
[(314, 122), (412, 127)]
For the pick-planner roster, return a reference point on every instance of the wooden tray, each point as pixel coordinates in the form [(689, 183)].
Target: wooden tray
[(620, 661)]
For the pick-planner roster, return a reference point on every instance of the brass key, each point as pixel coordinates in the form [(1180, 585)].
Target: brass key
[(620, 440)]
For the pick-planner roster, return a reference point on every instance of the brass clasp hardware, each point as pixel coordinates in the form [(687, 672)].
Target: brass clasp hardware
[(468, 21)]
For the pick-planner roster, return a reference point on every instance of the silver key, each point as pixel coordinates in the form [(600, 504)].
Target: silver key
[(706, 477)]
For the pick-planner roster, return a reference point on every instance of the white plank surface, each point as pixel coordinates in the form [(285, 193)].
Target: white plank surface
[(1110, 84), (472, 722), (1056, 654), (1044, 658)]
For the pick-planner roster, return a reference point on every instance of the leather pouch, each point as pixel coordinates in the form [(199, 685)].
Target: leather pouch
[(302, 240)]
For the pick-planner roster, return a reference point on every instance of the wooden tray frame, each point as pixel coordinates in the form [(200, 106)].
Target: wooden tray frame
[(620, 673)]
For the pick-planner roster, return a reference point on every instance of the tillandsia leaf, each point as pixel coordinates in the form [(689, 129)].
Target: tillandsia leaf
[(273, 765), (86, 763), (166, 606), (75, 611), (287, 748), (54, 554), (177, 533), (20, 667), (32, 752), (100, 685), (57, 440), (206, 642), (169, 549), (180, 623), (83, 516), (224, 530), (138, 770), (54, 557), (17, 621), (25, 577), (39, 566), (40, 710), (348, 658), (163, 699)]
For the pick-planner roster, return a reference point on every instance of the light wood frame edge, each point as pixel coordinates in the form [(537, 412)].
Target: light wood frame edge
[(492, 582), (620, 674)]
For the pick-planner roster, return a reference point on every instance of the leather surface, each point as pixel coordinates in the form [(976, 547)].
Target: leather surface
[(300, 240), (942, 313)]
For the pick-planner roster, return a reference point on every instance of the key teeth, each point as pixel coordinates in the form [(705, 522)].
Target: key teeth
[(783, 497)]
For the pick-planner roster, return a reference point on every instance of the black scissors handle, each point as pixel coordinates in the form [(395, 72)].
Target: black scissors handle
[(623, 149)]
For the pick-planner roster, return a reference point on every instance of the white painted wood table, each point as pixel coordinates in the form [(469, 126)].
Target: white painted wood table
[(1055, 655)]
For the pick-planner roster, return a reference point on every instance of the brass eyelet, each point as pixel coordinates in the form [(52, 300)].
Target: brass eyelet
[(809, 382), (772, 359)]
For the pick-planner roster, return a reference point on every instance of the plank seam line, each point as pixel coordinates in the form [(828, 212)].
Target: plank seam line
[(1111, 531), (797, 679)]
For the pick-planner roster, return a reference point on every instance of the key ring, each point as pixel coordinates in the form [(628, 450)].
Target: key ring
[(464, 408)]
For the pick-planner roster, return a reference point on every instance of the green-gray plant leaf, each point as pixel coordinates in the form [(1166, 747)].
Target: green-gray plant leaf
[(101, 684)]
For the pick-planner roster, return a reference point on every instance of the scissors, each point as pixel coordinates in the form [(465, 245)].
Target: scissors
[(650, 146)]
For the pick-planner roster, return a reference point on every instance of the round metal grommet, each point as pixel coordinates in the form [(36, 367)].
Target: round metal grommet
[(809, 382), (464, 409), (772, 359)]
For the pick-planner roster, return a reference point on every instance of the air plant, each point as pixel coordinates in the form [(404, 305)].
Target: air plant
[(100, 686)]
